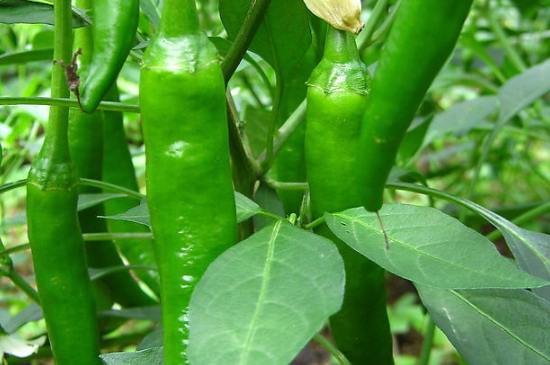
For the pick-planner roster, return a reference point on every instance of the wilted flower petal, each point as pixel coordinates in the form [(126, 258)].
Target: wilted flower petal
[(341, 14)]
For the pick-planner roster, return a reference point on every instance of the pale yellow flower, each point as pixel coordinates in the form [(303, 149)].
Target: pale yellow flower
[(341, 14)]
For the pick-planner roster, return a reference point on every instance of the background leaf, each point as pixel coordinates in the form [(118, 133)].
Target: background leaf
[(282, 38), (150, 357), (30, 12), (262, 300), (492, 327), (428, 247)]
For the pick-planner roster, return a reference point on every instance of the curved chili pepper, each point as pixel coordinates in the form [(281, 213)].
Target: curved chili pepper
[(189, 187), (114, 30), (336, 100), (86, 149), (118, 169), (54, 234), (421, 40)]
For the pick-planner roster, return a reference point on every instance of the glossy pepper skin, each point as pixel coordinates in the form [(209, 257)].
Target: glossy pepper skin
[(336, 100), (56, 241), (118, 169), (86, 149), (114, 30), (421, 40), (189, 187)]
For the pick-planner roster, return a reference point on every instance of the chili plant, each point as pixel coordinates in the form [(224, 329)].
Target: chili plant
[(300, 161)]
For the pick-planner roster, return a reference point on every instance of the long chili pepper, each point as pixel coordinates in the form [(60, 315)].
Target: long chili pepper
[(54, 234), (114, 31), (336, 100), (189, 187), (118, 169), (421, 40), (86, 149)]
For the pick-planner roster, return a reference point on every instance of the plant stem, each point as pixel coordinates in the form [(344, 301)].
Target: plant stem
[(111, 187), (323, 341), (427, 343), (244, 38), (179, 17), (504, 41), (117, 236), (366, 35), (13, 185), (22, 284), (285, 185), (66, 102), (315, 223)]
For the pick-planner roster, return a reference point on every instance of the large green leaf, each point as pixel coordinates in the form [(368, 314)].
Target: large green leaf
[(30, 12), (153, 356), (246, 208), (262, 300), (492, 327), (283, 36), (428, 247), (531, 249)]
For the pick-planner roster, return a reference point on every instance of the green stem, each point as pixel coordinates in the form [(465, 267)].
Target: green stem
[(383, 30), (56, 143), (366, 35), (112, 187), (315, 223), (286, 130), (66, 102), (89, 237), (285, 185), (270, 215), (244, 38), (22, 284), (427, 343), (117, 236), (323, 341), (504, 41), (13, 185), (179, 17), (269, 154)]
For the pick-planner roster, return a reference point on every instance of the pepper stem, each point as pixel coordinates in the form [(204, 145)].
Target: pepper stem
[(56, 144), (179, 17), (340, 46)]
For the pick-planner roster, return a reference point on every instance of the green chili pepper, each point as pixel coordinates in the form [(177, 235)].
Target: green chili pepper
[(86, 149), (56, 241), (421, 40), (189, 187), (118, 169), (114, 30), (336, 100)]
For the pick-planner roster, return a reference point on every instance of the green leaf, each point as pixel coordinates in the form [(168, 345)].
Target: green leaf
[(144, 313), (492, 327), (531, 249), (19, 58), (153, 339), (246, 209), (151, 10), (30, 12), (86, 201), (283, 36), (523, 89), (153, 356), (428, 247), (262, 300), (461, 118), (31, 313)]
